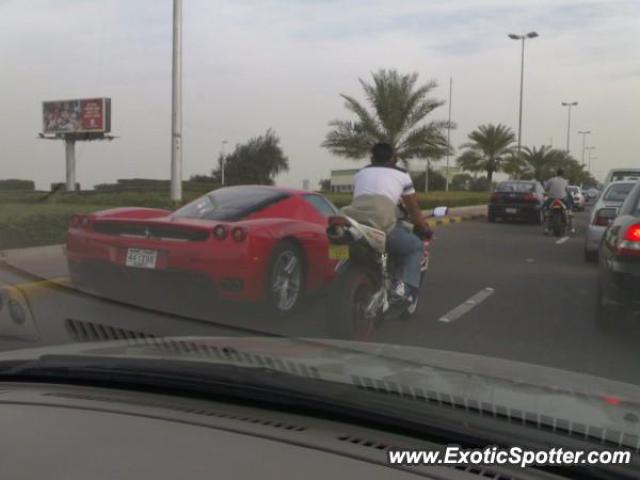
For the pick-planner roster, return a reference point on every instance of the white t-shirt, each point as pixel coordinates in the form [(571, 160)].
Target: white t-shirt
[(388, 181), (557, 187)]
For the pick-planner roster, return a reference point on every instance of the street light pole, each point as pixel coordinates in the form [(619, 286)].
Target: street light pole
[(522, 38), (584, 134), (569, 105), (446, 185), (222, 161), (176, 105), (590, 149)]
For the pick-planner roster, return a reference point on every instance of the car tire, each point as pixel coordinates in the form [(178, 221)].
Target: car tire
[(590, 256), (608, 316), (538, 218), (347, 297), (286, 271)]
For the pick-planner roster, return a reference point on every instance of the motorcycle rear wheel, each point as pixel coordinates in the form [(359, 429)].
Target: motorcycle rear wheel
[(348, 298)]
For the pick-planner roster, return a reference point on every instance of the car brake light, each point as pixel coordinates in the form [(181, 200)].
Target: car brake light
[(529, 197), (238, 234), (80, 221), (220, 232), (604, 216), (630, 244), (633, 233)]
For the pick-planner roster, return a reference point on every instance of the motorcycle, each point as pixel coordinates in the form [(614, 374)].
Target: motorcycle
[(558, 218), (361, 297)]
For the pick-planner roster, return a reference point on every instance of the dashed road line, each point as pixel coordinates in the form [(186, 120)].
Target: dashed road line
[(562, 240), (468, 305)]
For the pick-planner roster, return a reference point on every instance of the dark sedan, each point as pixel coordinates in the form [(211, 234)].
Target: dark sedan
[(517, 199), (619, 265)]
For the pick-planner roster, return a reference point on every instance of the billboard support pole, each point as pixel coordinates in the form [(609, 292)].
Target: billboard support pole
[(176, 105), (70, 156)]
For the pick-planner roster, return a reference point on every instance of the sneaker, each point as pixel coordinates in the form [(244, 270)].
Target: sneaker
[(401, 292)]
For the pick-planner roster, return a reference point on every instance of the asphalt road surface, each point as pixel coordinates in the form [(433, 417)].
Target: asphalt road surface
[(500, 290)]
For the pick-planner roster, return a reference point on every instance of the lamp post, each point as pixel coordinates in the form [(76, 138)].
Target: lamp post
[(590, 149), (222, 161), (522, 38), (584, 134), (176, 104), (446, 185), (569, 105)]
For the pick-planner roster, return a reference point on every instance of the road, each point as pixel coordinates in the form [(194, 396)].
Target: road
[(500, 290)]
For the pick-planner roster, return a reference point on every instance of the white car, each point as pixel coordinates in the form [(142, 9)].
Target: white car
[(620, 174), (578, 197), (602, 213)]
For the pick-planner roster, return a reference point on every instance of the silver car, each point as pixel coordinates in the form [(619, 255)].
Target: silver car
[(602, 213)]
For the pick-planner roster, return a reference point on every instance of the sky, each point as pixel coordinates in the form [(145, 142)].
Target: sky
[(253, 65)]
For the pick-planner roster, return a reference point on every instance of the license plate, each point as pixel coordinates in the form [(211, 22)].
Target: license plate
[(511, 210), (338, 252), (141, 258)]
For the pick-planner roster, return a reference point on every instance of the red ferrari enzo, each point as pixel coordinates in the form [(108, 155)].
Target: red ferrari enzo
[(246, 243)]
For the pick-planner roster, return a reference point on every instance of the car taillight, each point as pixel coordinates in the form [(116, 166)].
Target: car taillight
[(80, 221), (630, 243), (495, 197), (529, 197), (220, 232), (238, 234), (604, 216)]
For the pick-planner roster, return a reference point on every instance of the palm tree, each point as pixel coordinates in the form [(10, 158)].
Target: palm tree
[(489, 150), (541, 161), (398, 108)]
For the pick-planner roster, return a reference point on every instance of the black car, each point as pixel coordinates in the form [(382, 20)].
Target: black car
[(517, 199), (619, 265)]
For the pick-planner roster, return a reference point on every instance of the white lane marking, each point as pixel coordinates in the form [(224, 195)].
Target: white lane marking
[(465, 307), (562, 240)]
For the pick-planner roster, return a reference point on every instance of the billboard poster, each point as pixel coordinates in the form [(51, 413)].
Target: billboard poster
[(86, 115)]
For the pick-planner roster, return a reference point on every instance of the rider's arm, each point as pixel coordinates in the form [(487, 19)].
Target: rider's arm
[(415, 214)]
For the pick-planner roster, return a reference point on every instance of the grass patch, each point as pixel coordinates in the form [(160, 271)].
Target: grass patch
[(427, 200), (30, 219)]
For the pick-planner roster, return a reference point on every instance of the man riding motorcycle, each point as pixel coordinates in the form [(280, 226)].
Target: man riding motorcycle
[(557, 189), (378, 189)]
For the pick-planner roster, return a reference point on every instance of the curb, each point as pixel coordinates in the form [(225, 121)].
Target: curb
[(457, 219)]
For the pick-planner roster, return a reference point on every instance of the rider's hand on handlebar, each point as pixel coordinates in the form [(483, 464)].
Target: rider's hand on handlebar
[(424, 232)]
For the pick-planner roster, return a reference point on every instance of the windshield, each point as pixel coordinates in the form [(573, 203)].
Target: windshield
[(515, 187), (625, 175), (230, 203), (618, 192), (344, 192)]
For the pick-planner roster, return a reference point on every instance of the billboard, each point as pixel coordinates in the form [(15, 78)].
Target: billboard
[(84, 115)]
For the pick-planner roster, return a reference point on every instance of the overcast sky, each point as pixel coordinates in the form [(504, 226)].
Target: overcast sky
[(252, 65)]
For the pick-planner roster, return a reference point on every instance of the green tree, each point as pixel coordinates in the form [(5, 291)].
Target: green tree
[(541, 162), (489, 150), (461, 182), (325, 185), (397, 115), (258, 161)]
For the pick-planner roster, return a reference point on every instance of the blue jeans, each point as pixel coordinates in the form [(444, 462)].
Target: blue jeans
[(407, 251)]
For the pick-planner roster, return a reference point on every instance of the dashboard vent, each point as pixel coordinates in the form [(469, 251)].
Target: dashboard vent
[(84, 331), (171, 406), (608, 438)]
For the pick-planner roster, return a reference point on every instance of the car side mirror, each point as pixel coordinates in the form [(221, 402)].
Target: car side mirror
[(441, 211)]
